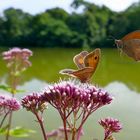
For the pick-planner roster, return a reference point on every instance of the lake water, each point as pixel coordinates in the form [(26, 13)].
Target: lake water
[(117, 73)]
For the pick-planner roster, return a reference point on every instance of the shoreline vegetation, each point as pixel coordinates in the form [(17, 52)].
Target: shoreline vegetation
[(56, 27)]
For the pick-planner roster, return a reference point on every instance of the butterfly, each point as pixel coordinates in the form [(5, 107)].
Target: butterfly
[(130, 44), (86, 63)]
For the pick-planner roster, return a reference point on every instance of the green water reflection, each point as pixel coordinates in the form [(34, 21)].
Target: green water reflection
[(46, 64)]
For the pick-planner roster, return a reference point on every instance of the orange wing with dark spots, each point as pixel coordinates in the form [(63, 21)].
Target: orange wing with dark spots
[(87, 64)]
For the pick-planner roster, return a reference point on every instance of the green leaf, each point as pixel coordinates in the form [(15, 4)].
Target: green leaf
[(20, 91), (3, 130), (20, 132), (9, 89), (6, 88)]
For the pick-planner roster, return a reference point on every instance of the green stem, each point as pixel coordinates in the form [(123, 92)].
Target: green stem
[(9, 125), (13, 86), (74, 127), (13, 91), (3, 119), (9, 122)]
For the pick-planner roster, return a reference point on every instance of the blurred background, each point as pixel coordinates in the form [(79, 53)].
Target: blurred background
[(56, 31), (80, 24)]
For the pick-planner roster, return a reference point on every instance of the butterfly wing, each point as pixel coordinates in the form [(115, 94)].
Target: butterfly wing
[(83, 75), (66, 71), (92, 59), (132, 48), (87, 63), (79, 59), (132, 35)]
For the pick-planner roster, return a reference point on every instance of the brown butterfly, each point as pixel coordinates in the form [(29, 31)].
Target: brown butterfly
[(130, 44), (86, 63)]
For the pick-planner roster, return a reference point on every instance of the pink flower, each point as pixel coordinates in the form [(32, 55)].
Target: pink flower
[(72, 98), (17, 59), (33, 103), (111, 126), (12, 104), (8, 104), (17, 53), (70, 94), (75, 102)]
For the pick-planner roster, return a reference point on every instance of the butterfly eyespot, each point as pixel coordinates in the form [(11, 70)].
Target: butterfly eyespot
[(95, 57)]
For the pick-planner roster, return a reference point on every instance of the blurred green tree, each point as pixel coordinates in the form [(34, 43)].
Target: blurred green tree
[(57, 28), (15, 26)]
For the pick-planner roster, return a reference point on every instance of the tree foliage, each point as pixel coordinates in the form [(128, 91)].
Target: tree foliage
[(57, 28)]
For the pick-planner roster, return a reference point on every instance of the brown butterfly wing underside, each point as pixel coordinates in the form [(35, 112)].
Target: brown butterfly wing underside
[(83, 74), (132, 48), (67, 71), (91, 61), (79, 59), (130, 44), (132, 35)]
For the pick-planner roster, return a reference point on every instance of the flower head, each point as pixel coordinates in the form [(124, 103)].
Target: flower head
[(111, 126), (33, 103), (8, 104), (71, 94), (17, 59), (95, 97), (74, 101), (72, 98), (63, 95), (12, 104)]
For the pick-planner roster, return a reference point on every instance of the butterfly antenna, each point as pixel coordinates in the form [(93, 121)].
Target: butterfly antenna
[(110, 37)]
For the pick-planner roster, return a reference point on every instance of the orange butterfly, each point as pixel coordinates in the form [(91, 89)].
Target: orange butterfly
[(86, 63), (130, 44)]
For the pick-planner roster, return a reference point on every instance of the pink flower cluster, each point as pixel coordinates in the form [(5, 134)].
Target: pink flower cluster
[(74, 95), (17, 59), (33, 103), (110, 126), (75, 102), (8, 104)]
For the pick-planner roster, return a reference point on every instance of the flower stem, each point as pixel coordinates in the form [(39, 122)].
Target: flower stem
[(9, 125), (79, 133), (3, 119), (81, 125), (73, 135), (42, 126), (65, 126), (13, 86), (74, 126)]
